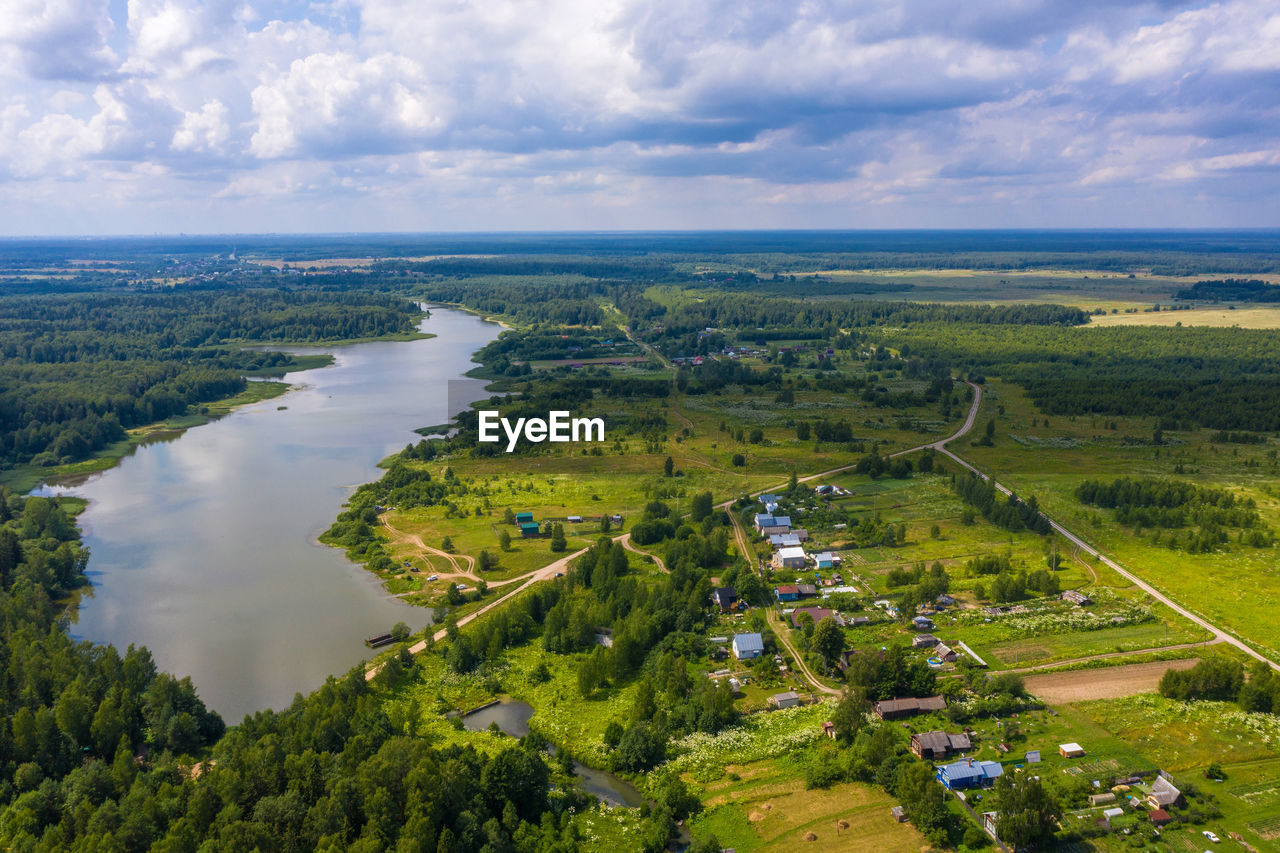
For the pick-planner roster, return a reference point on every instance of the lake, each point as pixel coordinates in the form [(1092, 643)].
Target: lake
[(203, 547)]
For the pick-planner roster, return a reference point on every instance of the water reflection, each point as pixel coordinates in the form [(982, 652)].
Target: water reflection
[(204, 548)]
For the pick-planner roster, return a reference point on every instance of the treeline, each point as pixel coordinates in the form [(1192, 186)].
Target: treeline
[(1151, 502), (88, 737), (566, 300), (1223, 379), (76, 371), (1231, 290), (749, 312), (1010, 512)]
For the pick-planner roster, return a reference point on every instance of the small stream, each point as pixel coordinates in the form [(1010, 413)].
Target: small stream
[(512, 718)]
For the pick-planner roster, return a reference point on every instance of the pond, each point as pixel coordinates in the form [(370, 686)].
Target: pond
[(513, 717)]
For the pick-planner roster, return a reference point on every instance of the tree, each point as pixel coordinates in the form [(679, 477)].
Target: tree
[(509, 516), (399, 632), (558, 542), (738, 460), (702, 506), (504, 540), (850, 715), (802, 430), (1028, 812), (756, 436), (641, 748), (446, 544), (668, 467), (828, 640)]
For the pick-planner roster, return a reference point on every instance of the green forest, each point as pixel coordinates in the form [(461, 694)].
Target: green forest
[(77, 370)]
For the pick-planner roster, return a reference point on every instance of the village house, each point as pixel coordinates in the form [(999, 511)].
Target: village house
[(786, 592), (1076, 597), (817, 614), (923, 641), (945, 653), (826, 560), (922, 623), (896, 709), (1164, 794), (784, 700), (1070, 750), (784, 540), (725, 597), (807, 590), (969, 774), (747, 646), (790, 558), (936, 745)]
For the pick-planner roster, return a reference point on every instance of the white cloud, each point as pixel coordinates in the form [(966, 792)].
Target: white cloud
[(59, 39), (732, 106), (342, 105), (205, 131)]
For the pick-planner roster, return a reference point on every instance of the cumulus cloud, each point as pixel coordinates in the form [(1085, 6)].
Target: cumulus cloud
[(60, 39), (743, 108)]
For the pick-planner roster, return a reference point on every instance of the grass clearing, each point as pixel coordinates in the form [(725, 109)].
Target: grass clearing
[(767, 808)]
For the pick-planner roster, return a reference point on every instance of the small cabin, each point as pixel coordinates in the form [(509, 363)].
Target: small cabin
[(524, 517), (529, 529)]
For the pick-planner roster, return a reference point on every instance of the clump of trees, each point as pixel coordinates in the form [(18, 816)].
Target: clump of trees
[(1009, 512), (1164, 504)]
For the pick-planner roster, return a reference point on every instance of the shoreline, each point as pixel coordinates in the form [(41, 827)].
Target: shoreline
[(262, 385)]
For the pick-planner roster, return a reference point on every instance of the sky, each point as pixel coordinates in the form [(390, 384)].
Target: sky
[(169, 116)]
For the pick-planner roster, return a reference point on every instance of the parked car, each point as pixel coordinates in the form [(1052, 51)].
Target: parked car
[(1209, 835), (433, 577)]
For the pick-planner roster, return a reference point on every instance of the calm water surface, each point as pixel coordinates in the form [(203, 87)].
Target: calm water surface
[(512, 717), (203, 548)]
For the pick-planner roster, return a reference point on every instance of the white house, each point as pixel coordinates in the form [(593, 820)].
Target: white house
[(790, 558), (747, 646)]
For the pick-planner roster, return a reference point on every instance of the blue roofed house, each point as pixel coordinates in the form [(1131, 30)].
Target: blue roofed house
[(784, 540), (747, 646), (782, 521), (969, 774), (826, 560), (763, 520)]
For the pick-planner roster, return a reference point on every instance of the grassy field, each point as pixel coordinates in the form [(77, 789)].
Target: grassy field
[(1184, 738), (766, 808), (1245, 318), (1233, 587)]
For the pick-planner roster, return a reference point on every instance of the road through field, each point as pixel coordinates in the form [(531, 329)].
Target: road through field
[(1081, 544), (940, 445)]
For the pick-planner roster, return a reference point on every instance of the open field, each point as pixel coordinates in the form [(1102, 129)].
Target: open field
[(767, 808), (1245, 318), (1109, 683), (1233, 587)]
